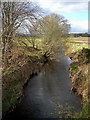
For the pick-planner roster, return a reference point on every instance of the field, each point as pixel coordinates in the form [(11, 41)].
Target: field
[(22, 41), (76, 43), (73, 43)]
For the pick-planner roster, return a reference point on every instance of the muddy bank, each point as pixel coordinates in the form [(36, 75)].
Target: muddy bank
[(16, 75)]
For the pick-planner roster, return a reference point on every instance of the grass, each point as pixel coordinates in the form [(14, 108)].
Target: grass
[(74, 46), (72, 43), (17, 72), (13, 87), (23, 39), (73, 67), (79, 38), (83, 57), (85, 112), (11, 91)]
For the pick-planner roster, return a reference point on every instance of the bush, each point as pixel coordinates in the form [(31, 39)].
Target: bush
[(84, 56)]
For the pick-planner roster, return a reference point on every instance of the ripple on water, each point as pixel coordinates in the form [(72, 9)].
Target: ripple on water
[(47, 95)]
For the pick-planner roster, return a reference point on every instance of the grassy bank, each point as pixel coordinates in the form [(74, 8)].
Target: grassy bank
[(23, 62), (80, 79), (76, 43), (79, 52), (28, 41), (85, 112)]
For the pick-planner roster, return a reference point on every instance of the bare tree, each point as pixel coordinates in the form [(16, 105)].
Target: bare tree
[(13, 16), (31, 30)]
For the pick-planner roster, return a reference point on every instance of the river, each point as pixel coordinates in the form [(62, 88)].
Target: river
[(48, 94)]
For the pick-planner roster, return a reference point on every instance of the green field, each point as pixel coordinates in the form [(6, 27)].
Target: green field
[(79, 38), (73, 44), (76, 43), (27, 42)]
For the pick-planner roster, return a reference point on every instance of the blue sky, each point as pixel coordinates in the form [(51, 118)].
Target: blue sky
[(75, 11)]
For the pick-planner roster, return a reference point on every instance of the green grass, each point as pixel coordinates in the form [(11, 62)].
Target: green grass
[(85, 112), (12, 91), (74, 46), (73, 67), (79, 38), (23, 39), (12, 75)]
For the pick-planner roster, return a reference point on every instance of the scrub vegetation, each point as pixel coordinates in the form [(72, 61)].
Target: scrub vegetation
[(79, 73), (29, 39)]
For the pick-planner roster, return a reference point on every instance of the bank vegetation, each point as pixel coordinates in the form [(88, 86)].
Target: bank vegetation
[(28, 39)]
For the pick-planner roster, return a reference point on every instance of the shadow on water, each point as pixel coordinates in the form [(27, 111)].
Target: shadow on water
[(48, 95)]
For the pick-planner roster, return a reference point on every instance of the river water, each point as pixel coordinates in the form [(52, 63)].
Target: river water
[(48, 94)]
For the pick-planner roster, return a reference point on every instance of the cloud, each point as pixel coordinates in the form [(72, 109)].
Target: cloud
[(68, 6), (80, 26), (65, 6)]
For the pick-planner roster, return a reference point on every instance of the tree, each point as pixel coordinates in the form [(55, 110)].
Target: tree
[(31, 30), (14, 14), (54, 31)]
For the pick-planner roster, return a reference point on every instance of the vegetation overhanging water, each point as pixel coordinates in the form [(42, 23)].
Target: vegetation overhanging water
[(48, 95)]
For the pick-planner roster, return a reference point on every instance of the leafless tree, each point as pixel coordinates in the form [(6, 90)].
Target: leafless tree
[(31, 30), (13, 16)]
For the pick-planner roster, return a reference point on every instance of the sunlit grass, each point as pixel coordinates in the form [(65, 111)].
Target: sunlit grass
[(20, 42), (79, 38), (74, 46)]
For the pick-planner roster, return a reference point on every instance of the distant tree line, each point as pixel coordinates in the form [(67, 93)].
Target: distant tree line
[(80, 34), (71, 34)]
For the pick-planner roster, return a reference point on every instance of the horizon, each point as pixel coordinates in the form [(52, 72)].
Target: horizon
[(75, 12)]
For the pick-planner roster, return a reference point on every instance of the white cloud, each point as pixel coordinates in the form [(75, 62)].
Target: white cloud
[(80, 26), (63, 6), (68, 6)]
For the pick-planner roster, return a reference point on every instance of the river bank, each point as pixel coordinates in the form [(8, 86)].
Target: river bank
[(79, 74), (23, 64), (29, 62), (47, 95)]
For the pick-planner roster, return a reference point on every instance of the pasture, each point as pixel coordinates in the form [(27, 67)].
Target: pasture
[(76, 43), (73, 43)]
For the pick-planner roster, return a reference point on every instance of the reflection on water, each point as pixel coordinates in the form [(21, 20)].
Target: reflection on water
[(47, 95)]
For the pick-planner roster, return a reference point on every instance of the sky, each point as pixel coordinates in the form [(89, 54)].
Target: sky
[(76, 11)]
